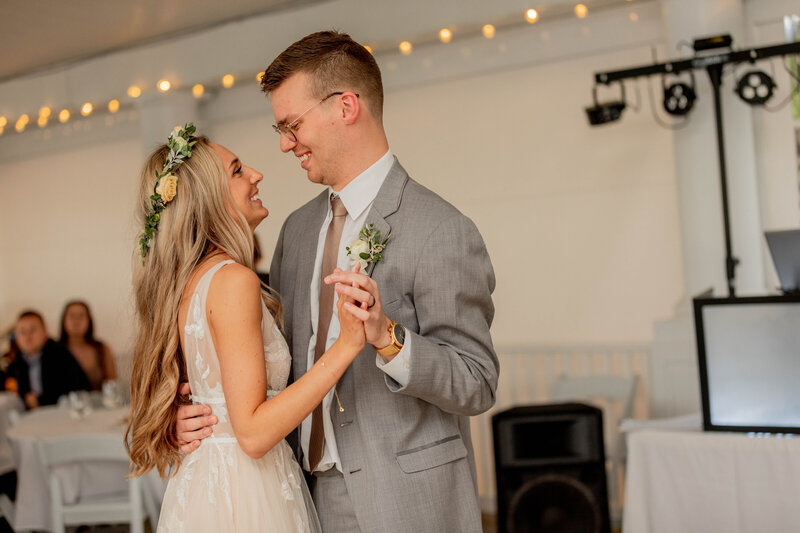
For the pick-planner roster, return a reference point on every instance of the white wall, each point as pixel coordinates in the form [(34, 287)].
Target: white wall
[(66, 231), (581, 223)]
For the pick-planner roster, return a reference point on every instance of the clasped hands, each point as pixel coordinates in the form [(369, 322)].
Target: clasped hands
[(361, 297)]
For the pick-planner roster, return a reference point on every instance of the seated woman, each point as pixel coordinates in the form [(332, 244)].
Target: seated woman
[(77, 335)]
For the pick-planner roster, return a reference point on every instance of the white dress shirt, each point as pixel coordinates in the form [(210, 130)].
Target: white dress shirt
[(357, 198)]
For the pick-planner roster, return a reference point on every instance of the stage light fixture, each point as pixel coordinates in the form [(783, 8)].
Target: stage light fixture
[(608, 112), (679, 97), (755, 87)]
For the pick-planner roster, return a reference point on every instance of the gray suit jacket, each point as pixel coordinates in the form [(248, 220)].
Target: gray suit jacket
[(406, 451)]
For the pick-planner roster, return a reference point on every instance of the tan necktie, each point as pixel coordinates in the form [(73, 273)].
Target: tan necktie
[(330, 255)]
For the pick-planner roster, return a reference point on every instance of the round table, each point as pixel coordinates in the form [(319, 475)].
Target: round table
[(81, 480)]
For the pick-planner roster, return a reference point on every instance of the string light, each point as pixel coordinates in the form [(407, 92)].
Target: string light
[(21, 123), (580, 11), (633, 16), (228, 80)]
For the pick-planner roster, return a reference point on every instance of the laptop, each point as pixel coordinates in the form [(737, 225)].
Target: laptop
[(784, 245)]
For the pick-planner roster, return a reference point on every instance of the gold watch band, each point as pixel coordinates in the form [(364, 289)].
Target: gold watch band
[(394, 346)]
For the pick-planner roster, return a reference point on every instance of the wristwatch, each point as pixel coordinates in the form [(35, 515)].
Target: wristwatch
[(397, 336)]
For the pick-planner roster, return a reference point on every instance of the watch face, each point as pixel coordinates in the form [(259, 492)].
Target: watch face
[(399, 333)]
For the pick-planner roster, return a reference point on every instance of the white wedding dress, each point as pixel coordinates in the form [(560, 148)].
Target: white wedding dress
[(218, 488)]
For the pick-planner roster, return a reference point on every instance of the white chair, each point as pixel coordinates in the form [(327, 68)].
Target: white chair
[(90, 447), (615, 396)]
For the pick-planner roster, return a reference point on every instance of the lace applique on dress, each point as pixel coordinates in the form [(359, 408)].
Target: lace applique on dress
[(218, 487)]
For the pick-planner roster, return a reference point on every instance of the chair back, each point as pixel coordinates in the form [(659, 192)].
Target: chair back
[(81, 448)]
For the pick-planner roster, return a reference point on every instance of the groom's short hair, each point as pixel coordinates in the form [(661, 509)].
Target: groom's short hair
[(335, 62)]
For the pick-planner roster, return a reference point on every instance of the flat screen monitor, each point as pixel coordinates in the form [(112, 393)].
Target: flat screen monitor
[(749, 362)]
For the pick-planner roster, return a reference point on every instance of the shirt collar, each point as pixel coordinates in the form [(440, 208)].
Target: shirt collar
[(359, 193), (32, 358)]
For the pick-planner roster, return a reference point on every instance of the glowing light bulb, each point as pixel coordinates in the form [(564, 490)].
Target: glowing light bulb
[(368, 47), (580, 11), (134, 91), (42, 121), (445, 35), (227, 81), (531, 15), (3, 121), (21, 123), (164, 85), (405, 48), (633, 16), (198, 90), (86, 109), (113, 106), (44, 112), (260, 76), (63, 115), (488, 31)]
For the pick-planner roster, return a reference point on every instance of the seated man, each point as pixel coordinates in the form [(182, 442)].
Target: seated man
[(42, 370)]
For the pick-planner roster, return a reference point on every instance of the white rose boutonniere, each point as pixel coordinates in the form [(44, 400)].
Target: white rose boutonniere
[(368, 248)]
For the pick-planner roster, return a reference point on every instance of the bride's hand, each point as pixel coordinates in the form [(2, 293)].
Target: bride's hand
[(351, 328)]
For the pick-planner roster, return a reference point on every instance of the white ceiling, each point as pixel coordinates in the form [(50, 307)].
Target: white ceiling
[(38, 34)]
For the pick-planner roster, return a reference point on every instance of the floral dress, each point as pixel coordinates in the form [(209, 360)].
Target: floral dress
[(218, 487)]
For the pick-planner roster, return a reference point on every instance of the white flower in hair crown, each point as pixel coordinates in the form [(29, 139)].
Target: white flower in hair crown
[(368, 248), (180, 145)]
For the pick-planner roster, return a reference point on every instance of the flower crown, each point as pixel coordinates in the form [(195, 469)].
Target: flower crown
[(180, 145)]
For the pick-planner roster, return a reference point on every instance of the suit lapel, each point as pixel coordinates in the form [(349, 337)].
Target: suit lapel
[(307, 250), (386, 203)]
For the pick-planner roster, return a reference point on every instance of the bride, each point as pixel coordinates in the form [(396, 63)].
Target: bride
[(202, 315)]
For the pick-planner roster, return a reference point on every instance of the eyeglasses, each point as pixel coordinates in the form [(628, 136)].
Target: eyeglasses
[(288, 130)]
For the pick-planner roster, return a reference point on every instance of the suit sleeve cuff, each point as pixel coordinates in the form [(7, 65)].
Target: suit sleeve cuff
[(399, 368)]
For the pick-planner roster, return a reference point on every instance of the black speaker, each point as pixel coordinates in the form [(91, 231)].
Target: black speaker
[(550, 466)]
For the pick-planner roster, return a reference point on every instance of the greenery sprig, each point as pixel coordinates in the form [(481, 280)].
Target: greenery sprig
[(368, 248), (180, 145)]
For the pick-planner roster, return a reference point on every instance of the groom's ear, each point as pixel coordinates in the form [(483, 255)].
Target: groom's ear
[(350, 107)]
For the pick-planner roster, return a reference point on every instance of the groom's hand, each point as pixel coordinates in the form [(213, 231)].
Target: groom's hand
[(193, 423), (364, 290)]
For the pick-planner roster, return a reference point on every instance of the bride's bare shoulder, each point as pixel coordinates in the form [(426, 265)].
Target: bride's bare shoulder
[(234, 285)]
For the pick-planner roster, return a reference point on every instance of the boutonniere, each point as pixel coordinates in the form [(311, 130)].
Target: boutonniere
[(368, 248)]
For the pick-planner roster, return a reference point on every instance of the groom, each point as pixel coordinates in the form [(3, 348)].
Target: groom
[(389, 448)]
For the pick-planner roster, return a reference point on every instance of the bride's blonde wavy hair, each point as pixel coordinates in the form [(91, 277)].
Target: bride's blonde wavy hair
[(195, 222)]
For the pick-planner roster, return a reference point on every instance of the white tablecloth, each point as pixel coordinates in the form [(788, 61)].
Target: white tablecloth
[(85, 480), (706, 482), (9, 401)]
